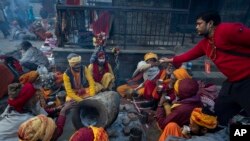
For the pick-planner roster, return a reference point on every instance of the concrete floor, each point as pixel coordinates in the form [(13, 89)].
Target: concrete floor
[(7, 46)]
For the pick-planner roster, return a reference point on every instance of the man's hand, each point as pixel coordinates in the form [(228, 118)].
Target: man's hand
[(68, 105), (131, 83), (162, 100), (166, 60)]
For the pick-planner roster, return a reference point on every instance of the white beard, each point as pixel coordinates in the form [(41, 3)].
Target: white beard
[(152, 73)]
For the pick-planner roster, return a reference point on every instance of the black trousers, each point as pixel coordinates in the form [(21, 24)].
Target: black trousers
[(233, 97)]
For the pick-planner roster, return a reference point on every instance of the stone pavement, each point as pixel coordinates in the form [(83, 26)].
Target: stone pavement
[(7, 46)]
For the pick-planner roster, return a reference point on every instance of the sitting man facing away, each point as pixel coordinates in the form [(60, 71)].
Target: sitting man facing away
[(44, 128), (203, 126), (22, 105), (180, 111)]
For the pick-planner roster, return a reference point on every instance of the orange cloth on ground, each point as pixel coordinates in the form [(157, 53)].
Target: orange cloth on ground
[(99, 134), (172, 129), (123, 89), (203, 119), (181, 73), (47, 93), (28, 77), (37, 128), (140, 91)]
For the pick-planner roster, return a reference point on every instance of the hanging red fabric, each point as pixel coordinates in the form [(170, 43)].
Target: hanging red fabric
[(73, 2)]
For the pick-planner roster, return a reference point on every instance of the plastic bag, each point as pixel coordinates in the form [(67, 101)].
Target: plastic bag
[(42, 70)]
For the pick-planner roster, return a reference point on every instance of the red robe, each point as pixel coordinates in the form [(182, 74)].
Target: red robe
[(150, 86)]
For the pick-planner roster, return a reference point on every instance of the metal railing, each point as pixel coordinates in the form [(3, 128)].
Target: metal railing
[(131, 27)]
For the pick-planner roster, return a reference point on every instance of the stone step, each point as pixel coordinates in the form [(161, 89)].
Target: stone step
[(216, 78), (200, 66)]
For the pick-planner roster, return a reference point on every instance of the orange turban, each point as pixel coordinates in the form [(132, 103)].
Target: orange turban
[(37, 128), (181, 73), (90, 133), (203, 119), (150, 55), (28, 77)]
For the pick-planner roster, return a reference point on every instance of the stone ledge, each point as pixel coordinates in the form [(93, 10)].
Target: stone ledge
[(216, 78), (127, 51)]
